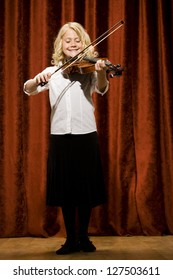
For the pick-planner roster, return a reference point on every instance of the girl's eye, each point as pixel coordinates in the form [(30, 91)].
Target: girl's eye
[(69, 41)]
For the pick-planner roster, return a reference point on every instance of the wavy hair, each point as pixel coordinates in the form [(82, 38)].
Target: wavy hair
[(58, 55)]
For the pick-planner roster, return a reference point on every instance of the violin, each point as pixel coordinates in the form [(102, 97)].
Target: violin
[(87, 65)]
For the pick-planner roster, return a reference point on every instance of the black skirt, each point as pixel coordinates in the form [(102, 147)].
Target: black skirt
[(74, 171)]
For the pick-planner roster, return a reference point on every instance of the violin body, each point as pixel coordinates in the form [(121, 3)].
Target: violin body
[(87, 65), (81, 67)]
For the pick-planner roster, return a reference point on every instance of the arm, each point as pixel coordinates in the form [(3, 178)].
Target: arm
[(101, 75)]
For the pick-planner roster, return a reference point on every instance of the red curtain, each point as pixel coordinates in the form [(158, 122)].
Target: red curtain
[(134, 118)]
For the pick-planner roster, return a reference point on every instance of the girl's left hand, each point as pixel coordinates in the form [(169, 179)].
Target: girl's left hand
[(100, 65)]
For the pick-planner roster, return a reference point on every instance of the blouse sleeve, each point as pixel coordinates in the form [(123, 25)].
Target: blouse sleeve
[(38, 89), (95, 86)]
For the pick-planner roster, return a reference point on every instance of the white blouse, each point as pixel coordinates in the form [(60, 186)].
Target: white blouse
[(70, 96)]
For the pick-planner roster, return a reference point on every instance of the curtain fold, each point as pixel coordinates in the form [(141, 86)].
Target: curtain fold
[(134, 118)]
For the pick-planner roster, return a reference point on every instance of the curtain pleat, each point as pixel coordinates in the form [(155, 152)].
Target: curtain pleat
[(134, 118)]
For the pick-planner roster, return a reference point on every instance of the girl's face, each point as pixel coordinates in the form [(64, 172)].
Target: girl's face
[(71, 43)]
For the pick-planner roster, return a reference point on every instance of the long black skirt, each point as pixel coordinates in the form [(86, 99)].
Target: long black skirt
[(74, 171)]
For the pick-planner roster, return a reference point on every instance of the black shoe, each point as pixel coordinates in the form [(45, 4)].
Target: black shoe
[(68, 248), (87, 246)]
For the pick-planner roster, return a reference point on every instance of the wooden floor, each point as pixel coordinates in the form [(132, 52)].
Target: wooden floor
[(108, 248)]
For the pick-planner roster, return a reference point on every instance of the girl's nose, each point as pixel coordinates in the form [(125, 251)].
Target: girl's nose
[(73, 43)]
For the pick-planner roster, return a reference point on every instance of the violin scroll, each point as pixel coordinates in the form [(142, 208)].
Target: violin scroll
[(115, 70)]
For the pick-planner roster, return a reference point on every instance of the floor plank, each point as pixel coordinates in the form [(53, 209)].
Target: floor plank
[(108, 248)]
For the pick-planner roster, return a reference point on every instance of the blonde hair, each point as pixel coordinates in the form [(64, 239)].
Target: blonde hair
[(58, 55)]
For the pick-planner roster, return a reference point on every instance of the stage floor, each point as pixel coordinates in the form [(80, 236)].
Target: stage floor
[(108, 248)]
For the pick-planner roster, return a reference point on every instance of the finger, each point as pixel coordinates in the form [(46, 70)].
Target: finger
[(100, 65), (43, 78), (48, 76), (37, 80), (40, 78)]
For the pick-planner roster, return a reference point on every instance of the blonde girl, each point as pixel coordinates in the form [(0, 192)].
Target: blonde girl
[(74, 171)]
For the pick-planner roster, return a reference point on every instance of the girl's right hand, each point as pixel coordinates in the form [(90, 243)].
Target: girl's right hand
[(42, 78)]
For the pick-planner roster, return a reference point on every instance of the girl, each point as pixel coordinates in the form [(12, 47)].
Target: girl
[(74, 173)]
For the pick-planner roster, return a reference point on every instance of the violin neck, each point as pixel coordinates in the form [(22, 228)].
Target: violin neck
[(95, 59), (90, 59)]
